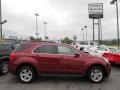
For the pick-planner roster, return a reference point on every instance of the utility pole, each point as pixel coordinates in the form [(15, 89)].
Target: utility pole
[(93, 31), (0, 21), (36, 26), (116, 3), (99, 31)]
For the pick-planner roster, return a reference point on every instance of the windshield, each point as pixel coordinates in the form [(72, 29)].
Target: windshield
[(113, 50)]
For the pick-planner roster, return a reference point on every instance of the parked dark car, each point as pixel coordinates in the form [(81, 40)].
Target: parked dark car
[(5, 50), (44, 58)]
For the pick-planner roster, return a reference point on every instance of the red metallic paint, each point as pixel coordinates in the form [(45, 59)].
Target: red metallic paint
[(56, 63), (112, 57)]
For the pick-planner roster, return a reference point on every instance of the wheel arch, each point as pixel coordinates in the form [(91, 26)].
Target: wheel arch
[(26, 64), (4, 59), (97, 65)]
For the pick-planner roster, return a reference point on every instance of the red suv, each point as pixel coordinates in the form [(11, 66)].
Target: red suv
[(46, 58)]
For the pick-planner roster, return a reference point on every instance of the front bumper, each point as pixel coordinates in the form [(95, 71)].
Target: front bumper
[(108, 70)]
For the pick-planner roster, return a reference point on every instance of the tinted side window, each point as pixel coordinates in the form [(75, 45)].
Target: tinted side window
[(2, 48), (51, 49), (5, 47), (66, 50)]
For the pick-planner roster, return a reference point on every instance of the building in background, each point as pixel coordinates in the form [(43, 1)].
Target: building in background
[(13, 37)]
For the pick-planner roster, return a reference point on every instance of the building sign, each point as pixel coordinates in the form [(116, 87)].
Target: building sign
[(95, 10)]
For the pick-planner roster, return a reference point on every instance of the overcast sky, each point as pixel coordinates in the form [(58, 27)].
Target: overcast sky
[(64, 17)]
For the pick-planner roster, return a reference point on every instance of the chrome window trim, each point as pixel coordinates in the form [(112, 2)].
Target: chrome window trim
[(57, 53)]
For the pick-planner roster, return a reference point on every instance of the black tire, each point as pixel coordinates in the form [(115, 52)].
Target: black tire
[(96, 74), (25, 73), (4, 67)]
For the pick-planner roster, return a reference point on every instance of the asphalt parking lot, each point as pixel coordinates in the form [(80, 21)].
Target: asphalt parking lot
[(10, 82)]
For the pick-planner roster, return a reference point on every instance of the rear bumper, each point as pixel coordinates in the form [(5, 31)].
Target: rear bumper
[(12, 68)]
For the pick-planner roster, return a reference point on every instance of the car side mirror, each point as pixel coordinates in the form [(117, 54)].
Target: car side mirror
[(96, 51), (76, 55), (106, 50), (82, 48)]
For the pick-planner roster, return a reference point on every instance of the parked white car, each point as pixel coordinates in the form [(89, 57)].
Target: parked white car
[(99, 50), (84, 46), (76, 45)]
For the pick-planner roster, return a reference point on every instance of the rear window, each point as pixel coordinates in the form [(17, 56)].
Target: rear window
[(22, 47), (51, 49)]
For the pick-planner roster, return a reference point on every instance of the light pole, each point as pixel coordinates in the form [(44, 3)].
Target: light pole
[(83, 33), (36, 26), (0, 21), (116, 2), (86, 32), (45, 29), (3, 22), (100, 30)]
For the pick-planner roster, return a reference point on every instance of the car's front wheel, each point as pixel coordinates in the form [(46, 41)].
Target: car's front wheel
[(96, 74), (26, 74)]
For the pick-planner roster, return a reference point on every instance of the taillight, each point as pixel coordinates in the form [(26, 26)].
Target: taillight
[(12, 56)]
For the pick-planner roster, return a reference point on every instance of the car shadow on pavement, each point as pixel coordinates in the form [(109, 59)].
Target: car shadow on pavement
[(50, 80), (44, 79), (116, 66), (60, 79), (63, 79)]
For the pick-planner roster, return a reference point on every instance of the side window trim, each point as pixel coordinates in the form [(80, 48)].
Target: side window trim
[(69, 48)]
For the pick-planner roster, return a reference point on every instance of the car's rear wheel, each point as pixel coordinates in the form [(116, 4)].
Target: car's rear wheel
[(96, 74), (4, 67), (26, 74)]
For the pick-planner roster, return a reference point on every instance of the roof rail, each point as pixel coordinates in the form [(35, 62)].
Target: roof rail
[(38, 42)]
